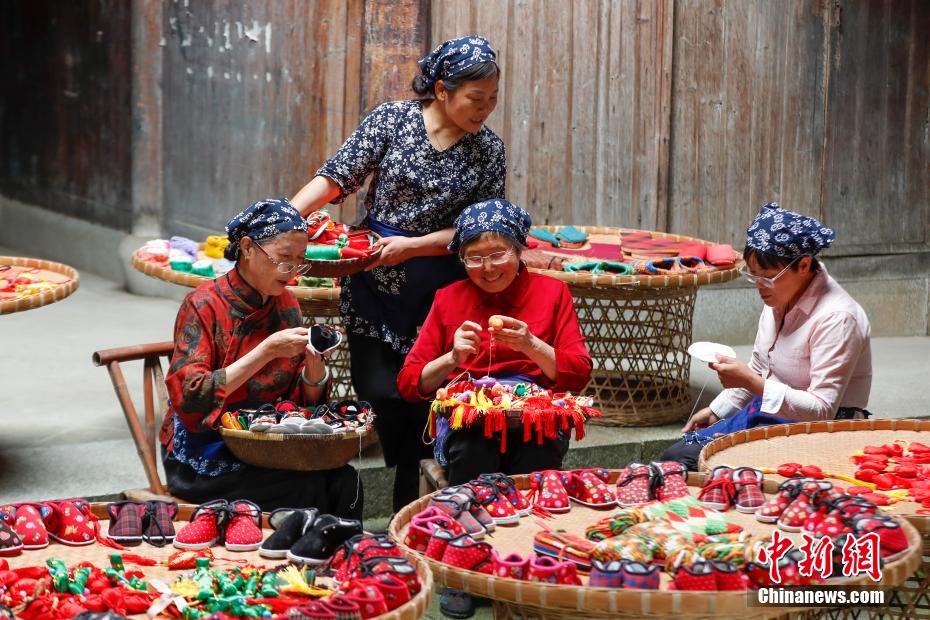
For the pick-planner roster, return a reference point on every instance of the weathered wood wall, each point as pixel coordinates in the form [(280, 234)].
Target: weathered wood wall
[(65, 119), (687, 115)]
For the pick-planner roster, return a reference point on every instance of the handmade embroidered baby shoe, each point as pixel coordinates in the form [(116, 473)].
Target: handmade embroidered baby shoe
[(728, 576), (28, 521), (158, 522), (891, 535), (548, 491), (812, 493), (457, 507), (544, 569), (393, 590), (10, 543), (289, 525), (424, 523), (400, 568), (369, 599), (639, 575), (696, 576), (718, 489), (438, 543), (243, 531), (509, 488), (466, 553), (204, 528), (314, 610), (126, 522), (747, 485), (605, 574), (350, 558), (70, 522), (494, 502), (671, 480), (634, 486), (322, 539), (589, 488), (512, 566), (772, 509)]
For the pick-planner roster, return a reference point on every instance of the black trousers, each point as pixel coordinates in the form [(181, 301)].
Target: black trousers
[(333, 491), (400, 424), (470, 453)]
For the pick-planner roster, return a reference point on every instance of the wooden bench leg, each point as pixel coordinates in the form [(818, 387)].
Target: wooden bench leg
[(432, 477)]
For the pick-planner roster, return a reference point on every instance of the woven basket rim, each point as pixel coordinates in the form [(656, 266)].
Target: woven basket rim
[(303, 293), (606, 280), (353, 436), (45, 297), (582, 598), (822, 426)]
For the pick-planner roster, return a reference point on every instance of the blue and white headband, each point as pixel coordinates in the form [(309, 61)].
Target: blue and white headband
[(787, 234), (500, 216), (454, 56), (264, 219)]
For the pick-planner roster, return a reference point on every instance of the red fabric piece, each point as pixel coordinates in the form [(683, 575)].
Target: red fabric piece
[(543, 303)]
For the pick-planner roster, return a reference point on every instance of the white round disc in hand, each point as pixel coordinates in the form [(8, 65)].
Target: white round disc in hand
[(708, 351)]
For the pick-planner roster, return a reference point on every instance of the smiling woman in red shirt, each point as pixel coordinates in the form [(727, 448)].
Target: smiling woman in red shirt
[(539, 340)]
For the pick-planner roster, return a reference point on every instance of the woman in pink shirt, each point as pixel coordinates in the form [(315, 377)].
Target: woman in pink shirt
[(811, 359)]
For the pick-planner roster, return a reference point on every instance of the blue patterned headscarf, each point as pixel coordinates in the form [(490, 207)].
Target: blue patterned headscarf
[(787, 234), (455, 56), (500, 216), (263, 220)]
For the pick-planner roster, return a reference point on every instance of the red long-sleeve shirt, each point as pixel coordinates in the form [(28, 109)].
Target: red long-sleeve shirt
[(543, 303)]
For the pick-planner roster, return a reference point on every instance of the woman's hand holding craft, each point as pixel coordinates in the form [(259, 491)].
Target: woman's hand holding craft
[(315, 366), (514, 334), (736, 374), (702, 419), (286, 343), (394, 250), (465, 342)]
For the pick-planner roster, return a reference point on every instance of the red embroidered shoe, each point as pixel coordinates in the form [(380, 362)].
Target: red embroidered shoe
[(891, 535), (728, 576), (425, 523), (672, 477), (313, 610), (548, 491), (27, 520), (831, 517), (718, 489), (369, 599), (509, 488), (512, 566), (400, 568), (804, 505), (772, 509), (10, 543), (634, 485), (466, 553), (438, 543), (70, 522), (698, 576), (747, 484), (243, 532), (203, 530), (342, 607), (589, 488), (347, 561), (543, 569), (494, 502), (394, 591)]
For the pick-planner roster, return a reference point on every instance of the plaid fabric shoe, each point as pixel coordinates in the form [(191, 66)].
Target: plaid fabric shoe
[(634, 487), (158, 522), (718, 489), (126, 522), (639, 576), (605, 574), (747, 483)]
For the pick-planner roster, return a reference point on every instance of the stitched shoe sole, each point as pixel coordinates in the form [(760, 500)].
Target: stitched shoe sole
[(302, 560), (33, 547), (747, 509), (272, 554), (127, 539), (195, 546), (70, 543), (11, 550), (590, 505), (766, 519), (248, 547), (719, 506), (506, 520)]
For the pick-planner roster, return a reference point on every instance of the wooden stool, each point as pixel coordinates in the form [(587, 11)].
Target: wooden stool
[(432, 477)]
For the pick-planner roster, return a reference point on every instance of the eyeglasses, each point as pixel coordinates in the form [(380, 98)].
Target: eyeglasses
[(763, 280), (496, 258), (284, 267)]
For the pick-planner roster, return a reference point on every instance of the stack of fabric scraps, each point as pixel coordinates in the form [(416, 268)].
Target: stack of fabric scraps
[(490, 403), (19, 282), (287, 418)]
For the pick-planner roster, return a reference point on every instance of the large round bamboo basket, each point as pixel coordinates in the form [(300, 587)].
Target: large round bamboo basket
[(514, 598), (829, 444), (66, 278), (295, 452), (99, 555)]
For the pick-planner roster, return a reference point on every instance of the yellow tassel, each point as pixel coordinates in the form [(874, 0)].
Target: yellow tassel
[(294, 583), (456, 420), (186, 587)]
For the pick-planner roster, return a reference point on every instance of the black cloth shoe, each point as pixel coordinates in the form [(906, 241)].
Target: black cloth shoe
[(322, 539), (289, 525), (456, 604)]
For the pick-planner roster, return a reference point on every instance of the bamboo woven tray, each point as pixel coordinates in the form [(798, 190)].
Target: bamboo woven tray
[(99, 555), (66, 277), (827, 444), (303, 293), (562, 601), (607, 280), (295, 452)]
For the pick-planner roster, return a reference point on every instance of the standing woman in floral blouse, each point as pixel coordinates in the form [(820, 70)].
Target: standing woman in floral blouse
[(428, 158)]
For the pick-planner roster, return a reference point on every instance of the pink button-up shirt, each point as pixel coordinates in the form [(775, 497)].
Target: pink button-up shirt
[(814, 359)]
